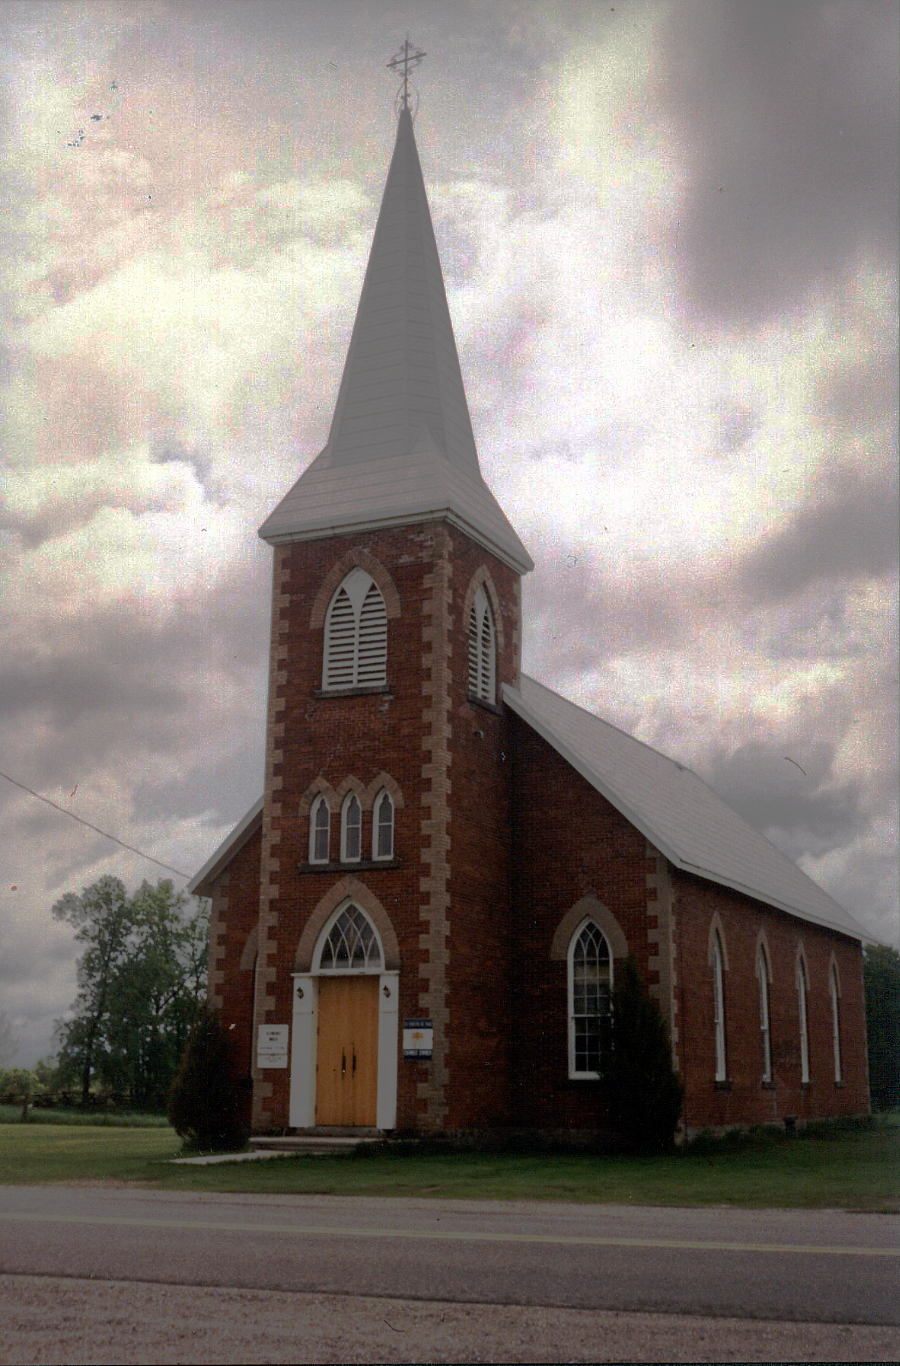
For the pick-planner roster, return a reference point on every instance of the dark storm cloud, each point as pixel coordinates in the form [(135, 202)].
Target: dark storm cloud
[(789, 798), (847, 531), (787, 114)]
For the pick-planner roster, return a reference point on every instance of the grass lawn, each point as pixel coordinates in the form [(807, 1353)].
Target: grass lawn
[(852, 1169)]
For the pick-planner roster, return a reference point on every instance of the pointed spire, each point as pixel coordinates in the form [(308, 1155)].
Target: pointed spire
[(401, 445)]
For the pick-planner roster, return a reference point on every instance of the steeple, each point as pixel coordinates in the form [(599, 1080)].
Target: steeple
[(401, 447)]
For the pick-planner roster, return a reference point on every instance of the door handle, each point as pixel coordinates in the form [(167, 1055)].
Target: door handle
[(343, 1063), (354, 1062)]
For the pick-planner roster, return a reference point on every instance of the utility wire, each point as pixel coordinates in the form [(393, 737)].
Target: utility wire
[(105, 833)]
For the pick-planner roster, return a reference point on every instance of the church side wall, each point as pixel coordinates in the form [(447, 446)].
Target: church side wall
[(233, 920), (479, 841), (744, 1098), (569, 843)]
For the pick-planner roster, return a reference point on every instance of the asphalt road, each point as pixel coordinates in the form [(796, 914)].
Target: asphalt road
[(805, 1267)]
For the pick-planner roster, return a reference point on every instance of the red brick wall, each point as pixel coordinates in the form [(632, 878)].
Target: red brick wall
[(747, 1100), (235, 897), (569, 842), (335, 737)]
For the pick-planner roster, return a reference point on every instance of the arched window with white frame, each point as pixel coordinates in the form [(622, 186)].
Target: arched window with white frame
[(482, 649), (351, 829), (765, 1036), (803, 1014), (590, 971), (835, 989), (319, 830), (355, 635), (351, 944), (383, 826), (718, 967)]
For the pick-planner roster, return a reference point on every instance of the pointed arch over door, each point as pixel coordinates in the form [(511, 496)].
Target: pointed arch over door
[(345, 1026)]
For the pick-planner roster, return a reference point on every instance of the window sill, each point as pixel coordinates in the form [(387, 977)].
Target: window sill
[(376, 690), (723, 1085), (806, 1086), (578, 1081), (366, 865), (768, 1086), (839, 1085)]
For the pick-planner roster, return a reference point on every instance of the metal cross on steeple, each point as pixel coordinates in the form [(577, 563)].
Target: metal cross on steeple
[(408, 58)]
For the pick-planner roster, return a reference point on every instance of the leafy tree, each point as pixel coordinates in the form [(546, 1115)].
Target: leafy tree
[(881, 970), (140, 980), (645, 1092), (206, 1101)]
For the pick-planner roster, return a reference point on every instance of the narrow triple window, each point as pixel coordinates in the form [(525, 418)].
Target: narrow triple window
[(383, 827), (319, 831), (802, 1006), (718, 966), (356, 635), (836, 1024), (482, 649), (590, 998), (351, 829), (765, 1037)]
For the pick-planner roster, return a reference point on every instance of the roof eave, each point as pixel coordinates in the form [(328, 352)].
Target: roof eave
[(522, 564), (515, 703), (201, 883)]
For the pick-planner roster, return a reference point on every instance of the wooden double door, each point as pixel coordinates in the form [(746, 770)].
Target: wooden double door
[(347, 1051)]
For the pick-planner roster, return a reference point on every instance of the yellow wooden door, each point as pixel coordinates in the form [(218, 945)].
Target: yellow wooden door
[(347, 1051)]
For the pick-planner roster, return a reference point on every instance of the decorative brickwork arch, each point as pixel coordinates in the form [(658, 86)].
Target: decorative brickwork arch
[(350, 784), (316, 789), (356, 558), (348, 888), (382, 783), (588, 908), (717, 929)]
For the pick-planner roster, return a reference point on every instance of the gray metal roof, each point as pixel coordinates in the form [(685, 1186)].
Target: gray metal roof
[(401, 445), (674, 809)]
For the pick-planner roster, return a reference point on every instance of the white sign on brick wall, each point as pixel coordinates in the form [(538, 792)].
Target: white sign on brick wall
[(272, 1046)]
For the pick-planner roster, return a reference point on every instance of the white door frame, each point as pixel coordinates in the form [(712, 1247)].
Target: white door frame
[(305, 994)]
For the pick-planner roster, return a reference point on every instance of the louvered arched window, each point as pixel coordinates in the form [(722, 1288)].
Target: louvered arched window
[(351, 829), (319, 831), (482, 649), (590, 989), (383, 826), (356, 635)]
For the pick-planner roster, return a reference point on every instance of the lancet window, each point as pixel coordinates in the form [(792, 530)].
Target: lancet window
[(482, 649), (765, 1037), (355, 635), (383, 827), (590, 1000), (319, 831), (803, 1011), (351, 829), (718, 967)]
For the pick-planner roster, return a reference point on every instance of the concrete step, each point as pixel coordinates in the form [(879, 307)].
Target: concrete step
[(313, 1143)]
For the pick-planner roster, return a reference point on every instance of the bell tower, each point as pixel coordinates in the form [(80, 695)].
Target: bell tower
[(395, 621)]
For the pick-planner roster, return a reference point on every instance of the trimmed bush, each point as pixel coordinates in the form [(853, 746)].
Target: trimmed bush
[(206, 1102), (645, 1093)]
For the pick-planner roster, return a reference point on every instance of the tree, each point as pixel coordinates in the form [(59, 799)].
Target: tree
[(881, 972), (645, 1092), (206, 1100), (140, 980)]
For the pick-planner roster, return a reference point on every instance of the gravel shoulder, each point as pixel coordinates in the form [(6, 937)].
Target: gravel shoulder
[(51, 1319)]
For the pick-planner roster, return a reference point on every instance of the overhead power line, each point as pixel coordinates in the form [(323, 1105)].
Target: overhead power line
[(105, 833)]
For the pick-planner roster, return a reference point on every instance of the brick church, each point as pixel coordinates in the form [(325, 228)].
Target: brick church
[(417, 927)]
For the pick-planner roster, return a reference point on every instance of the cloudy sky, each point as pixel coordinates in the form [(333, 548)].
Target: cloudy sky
[(668, 240)]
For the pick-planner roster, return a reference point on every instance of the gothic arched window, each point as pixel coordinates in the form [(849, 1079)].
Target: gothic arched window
[(765, 1037), (355, 635), (803, 1012), (718, 967), (383, 826), (319, 830), (351, 944), (835, 988), (590, 990), (351, 829), (482, 649)]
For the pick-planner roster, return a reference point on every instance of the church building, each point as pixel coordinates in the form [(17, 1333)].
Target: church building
[(417, 927)]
